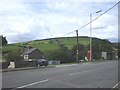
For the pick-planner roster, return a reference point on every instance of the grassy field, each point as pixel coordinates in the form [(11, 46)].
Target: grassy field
[(70, 42), (45, 45), (12, 48)]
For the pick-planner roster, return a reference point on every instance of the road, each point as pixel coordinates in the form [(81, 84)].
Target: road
[(90, 75)]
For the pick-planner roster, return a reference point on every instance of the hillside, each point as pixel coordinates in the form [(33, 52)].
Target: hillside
[(49, 44)]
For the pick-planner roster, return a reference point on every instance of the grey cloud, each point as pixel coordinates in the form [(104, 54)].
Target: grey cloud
[(20, 38), (36, 32), (101, 27)]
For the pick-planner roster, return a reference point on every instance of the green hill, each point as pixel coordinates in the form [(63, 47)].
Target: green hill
[(48, 44), (53, 47)]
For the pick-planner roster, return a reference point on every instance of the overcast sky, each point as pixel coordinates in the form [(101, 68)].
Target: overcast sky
[(26, 20)]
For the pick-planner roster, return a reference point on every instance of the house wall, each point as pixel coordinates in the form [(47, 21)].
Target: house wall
[(36, 54), (25, 57)]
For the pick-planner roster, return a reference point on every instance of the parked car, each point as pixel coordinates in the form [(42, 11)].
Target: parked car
[(42, 62)]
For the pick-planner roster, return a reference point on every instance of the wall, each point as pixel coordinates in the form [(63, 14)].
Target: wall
[(54, 62), (20, 64), (104, 55), (108, 55)]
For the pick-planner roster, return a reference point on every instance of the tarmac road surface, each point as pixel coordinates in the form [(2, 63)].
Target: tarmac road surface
[(91, 75)]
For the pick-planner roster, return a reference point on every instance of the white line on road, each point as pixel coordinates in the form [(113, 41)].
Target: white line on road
[(116, 85), (33, 83), (80, 72)]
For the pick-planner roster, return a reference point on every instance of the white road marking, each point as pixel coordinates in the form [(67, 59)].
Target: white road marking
[(80, 72), (33, 83), (116, 85)]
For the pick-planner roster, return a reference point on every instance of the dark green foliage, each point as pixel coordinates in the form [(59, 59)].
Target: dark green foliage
[(115, 45), (82, 51), (4, 41), (96, 50), (119, 50), (13, 57), (51, 41), (106, 46), (100, 46), (61, 54)]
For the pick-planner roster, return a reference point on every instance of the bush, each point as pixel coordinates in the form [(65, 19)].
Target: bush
[(61, 54), (81, 51), (12, 56)]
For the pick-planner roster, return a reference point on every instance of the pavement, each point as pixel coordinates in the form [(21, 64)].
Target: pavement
[(17, 69), (49, 66), (25, 68), (92, 75)]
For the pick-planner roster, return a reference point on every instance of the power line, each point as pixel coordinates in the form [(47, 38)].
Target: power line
[(69, 33), (94, 19), (99, 16)]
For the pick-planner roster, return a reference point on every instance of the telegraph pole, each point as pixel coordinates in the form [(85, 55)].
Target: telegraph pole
[(90, 37), (77, 44)]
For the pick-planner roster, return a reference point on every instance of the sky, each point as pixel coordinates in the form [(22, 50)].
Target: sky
[(27, 20)]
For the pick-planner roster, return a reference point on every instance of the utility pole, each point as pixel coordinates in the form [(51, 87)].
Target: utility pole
[(77, 44), (90, 37), (91, 34)]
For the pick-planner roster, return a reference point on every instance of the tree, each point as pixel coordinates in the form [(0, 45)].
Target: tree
[(96, 50), (106, 46), (4, 41), (12, 56), (81, 50), (61, 54), (99, 46)]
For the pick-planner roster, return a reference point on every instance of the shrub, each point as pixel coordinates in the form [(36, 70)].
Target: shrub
[(12, 56)]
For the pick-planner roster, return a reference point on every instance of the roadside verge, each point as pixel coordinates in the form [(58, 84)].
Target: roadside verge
[(25, 68)]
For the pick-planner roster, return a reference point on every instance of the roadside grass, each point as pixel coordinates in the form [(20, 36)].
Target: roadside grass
[(84, 61), (51, 65), (71, 63)]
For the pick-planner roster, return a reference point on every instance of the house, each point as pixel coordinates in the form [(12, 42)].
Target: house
[(32, 54)]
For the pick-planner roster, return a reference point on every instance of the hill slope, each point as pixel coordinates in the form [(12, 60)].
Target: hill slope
[(49, 44)]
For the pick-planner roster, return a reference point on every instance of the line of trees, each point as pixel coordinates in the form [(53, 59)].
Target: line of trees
[(65, 55)]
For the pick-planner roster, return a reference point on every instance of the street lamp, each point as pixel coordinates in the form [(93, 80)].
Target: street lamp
[(91, 33)]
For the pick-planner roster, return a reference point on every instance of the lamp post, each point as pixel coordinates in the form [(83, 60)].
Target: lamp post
[(91, 33)]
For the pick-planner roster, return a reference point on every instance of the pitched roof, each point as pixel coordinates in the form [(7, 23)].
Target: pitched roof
[(29, 50)]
